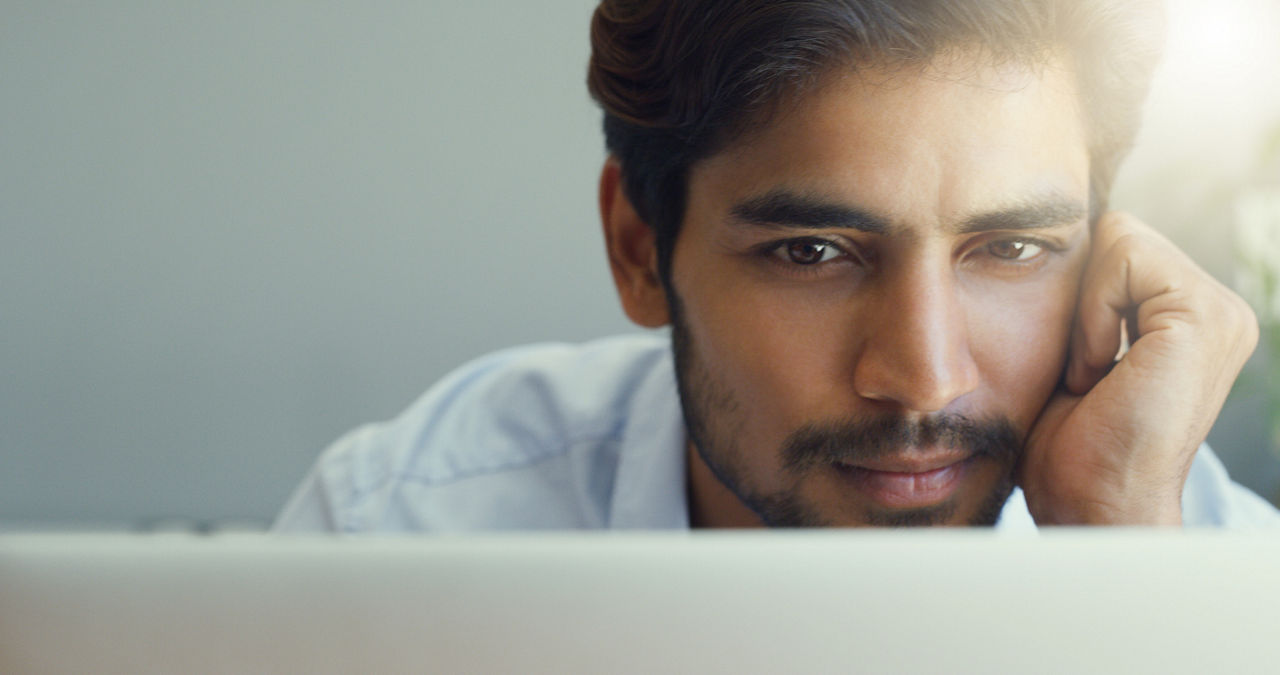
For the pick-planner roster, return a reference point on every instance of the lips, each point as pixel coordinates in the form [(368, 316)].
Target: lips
[(908, 480)]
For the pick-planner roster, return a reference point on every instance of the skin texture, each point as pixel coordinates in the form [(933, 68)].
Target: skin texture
[(822, 359)]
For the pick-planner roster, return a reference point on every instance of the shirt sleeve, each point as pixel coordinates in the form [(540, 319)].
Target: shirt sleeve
[(522, 438), (319, 503), (308, 510), (361, 463), (1211, 499)]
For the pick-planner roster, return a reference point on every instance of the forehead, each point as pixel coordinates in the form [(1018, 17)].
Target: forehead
[(921, 146)]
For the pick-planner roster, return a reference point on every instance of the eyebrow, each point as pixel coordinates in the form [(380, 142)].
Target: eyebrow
[(1048, 211), (784, 209)]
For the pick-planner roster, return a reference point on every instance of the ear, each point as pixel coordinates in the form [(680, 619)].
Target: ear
[(633, 252)]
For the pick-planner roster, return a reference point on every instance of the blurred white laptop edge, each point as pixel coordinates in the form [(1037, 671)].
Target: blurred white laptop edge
[(952, 601)]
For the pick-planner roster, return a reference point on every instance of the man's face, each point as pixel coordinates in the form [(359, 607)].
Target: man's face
[(872, 295)]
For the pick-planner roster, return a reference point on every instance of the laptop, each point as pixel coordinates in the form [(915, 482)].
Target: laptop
[(1068, 601)]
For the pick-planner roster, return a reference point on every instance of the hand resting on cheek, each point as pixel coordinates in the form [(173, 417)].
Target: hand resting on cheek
[(1115, 442)]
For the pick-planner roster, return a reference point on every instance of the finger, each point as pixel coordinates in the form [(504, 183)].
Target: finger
[(1095, 337), (1129, 264), (1081, 375)]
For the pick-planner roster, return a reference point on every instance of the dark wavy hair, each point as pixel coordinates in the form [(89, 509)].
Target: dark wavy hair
[(680, 79)]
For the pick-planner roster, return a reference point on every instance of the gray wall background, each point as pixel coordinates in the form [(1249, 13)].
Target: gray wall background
[(230, 231)]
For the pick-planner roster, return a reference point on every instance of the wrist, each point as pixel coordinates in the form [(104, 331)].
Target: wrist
[(1162, 512)]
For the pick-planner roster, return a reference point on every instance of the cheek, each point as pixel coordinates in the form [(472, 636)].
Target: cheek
[(769, 351), (773, 348), (1019, 339)]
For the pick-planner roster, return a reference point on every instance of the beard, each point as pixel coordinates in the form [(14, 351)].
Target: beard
[(709, 407)]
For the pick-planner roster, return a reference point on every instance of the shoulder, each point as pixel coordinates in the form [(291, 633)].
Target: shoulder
[(524, 437)]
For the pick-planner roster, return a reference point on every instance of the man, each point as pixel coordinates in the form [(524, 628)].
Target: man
[(878, 231)]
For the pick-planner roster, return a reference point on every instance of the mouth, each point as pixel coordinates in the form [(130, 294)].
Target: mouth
[(908, 481)]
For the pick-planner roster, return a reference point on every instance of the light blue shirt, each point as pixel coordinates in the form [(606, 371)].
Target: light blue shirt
[(559, 436)]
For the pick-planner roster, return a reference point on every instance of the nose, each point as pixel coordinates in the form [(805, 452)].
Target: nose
[(916, 353)]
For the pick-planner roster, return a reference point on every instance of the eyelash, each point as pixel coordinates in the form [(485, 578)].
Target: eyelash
[(776, 252), (1046, 248)]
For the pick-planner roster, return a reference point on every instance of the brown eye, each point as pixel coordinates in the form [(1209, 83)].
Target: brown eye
[(1014, 249), (809, 251)]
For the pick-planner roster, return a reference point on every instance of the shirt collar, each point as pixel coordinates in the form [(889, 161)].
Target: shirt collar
[(649, 487)]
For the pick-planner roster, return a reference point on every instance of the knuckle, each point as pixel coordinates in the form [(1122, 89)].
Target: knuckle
[(1125, 246), (1231, 317), (1236, 312), (1250, 330), (1116, 218)]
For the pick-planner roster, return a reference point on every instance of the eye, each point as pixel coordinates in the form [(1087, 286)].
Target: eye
[(808, 251), (1016, 250)]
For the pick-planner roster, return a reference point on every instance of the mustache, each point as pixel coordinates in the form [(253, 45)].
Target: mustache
[(855, 441)]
